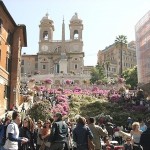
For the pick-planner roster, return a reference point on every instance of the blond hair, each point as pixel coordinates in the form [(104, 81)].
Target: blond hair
[(134, 125)]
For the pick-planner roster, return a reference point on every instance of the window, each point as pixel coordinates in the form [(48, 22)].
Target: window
[(36, 66), (5, 91), (9, 38), (44, 66), (7, 59), (76, 66), (36, 59), (22, 62), (22, 69), (76, 34), (45, 35)]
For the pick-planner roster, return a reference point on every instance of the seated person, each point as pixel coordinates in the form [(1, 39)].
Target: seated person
[(107, 144)]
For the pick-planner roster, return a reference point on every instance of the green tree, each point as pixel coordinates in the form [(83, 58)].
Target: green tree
[(40, 110), (97, 73), (130, 76), (120, 41)]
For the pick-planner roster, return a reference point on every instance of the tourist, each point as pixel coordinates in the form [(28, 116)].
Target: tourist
[(143, 126), (81, 133), (59, 133), (145, 137), (136, 134), (12, 133), (97, 131), (108, 145), (38, 132), (128, 144), (45, 133), (27, 131)]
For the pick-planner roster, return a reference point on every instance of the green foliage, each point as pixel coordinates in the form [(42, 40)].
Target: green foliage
[(130, 76), (97, 73), (40, 110), (90, 106)]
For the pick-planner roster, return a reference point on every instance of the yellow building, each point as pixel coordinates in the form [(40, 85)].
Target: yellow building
[(110, 58)]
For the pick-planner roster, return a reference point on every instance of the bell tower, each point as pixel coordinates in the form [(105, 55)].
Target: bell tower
[(76, 28), (46, 28)]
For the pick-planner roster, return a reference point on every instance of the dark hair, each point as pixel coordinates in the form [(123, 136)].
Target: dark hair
[(106, 138), (15, 115), (81, 120), (91, 119), (59, 115), (7, 118)]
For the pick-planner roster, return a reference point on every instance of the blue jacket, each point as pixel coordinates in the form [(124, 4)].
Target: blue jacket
[(81, 134)]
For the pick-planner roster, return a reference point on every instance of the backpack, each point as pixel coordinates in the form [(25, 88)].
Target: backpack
[(61, 131)]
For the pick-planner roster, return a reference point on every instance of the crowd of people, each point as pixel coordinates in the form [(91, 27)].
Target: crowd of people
[(82, 133)]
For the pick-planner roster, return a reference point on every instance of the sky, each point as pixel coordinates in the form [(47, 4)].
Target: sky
[(103, 20)]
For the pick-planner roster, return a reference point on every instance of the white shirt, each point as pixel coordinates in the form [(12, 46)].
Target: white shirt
[(12, 128)]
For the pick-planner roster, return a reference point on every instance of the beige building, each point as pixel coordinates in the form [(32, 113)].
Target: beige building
[(111, 54), (57, 56)]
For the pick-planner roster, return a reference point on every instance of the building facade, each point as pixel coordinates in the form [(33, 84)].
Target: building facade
[(142, 32), (12, 39), (57, 56), (110, 58)]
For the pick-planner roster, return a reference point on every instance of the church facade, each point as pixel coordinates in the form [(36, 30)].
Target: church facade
[(57, 56)]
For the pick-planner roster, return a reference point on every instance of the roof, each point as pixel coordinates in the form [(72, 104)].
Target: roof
[(7, 12), (14, 23)]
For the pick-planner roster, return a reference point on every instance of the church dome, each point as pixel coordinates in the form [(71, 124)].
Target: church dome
[(75, 18)]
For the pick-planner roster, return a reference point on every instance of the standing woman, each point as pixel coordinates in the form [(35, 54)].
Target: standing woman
[(45, 132), (136, 134), (38, 132), (27, 131)]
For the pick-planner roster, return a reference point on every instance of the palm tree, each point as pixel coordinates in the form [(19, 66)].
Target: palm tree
[(121, 40)]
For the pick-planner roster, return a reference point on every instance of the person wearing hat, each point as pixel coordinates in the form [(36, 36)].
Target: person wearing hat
[(59, 133), (145, 136)]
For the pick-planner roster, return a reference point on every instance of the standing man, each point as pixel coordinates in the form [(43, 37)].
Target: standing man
[(145, 138), (12, 133), (97, 131), (59, 133), (82, 135)]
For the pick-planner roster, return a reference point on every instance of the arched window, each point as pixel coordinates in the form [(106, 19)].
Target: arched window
[(76, 34), (76, 66), (45, 35)]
